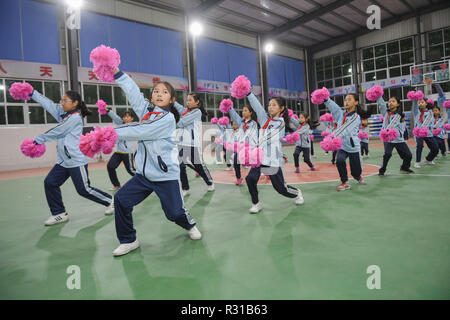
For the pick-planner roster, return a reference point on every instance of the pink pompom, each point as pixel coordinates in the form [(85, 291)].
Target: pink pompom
[(102, 107), (98, 140), (374, 93), (420, 132), (218, 140), (388, 135), (104, 59), (419, 95), (226, 105), (415, 95), (32, 150), (214, 120), (295, 116), (252, 157), (290, 113), (381, 118), (363, 135), (320, 95), (430, 101), (21, 91), (336, 144), (447, 104), (240, 87), (224, 121), (331, 143), (437, 131), (327, 117), (325, 133), (293, 137), (447, 126), (311, 137)]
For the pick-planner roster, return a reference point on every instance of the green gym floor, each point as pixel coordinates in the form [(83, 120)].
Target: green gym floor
[(319, 250)]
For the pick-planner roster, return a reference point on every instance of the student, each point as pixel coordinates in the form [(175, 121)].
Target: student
[(248, 133), (124, 151), (364, 127), (440, 104), (423, 117), (312, 144), (157, 167), (190, 148), (272, 129), (71, 161), (394, 119), (348, 122), (225, 132), (303, 144), (439, 123), (330, 126)]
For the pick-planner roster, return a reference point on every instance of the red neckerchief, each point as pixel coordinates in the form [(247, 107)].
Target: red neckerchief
[(245, 125), (267, 123), (148, 114), (345, 116), (390, 114), (187, 110), (421, 115), (436, 119), (301, 125), (335, 126)]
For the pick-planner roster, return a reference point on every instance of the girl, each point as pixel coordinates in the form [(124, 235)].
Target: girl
[(236, 136), (312, 144), (364, 128), (393, 120), (189, 147), (248, 132), (440, 102), (273, 128), (124, 151), (157, 165), (329, 127), (225, 134), (303, 144), (439, 123), (423, 117), (71, 161), (347, 128)]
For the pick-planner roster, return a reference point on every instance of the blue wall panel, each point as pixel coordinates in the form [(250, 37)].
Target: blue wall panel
[(171, 53), (149, 53), (93, 32), (10, 47), (123, 38)]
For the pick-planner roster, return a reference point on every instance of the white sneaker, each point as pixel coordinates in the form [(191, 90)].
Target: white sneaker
[(417, 165), (124, 248), (211, 188), (59, 218), (430, 162), (229, 168), (256, 208), (184, 193), (110, 209), (299, 199), (194, 234)]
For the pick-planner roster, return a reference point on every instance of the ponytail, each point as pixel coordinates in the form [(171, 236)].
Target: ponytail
[(75, 96), (200, 105)]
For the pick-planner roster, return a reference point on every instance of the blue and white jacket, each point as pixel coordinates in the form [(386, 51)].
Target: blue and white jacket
[(423, 118), (189, 127), (391, 120), (157, 153), (270, 134), (439, 123), (67, 132), (122, 146), (248, 129), (304, 132), (347, 127)]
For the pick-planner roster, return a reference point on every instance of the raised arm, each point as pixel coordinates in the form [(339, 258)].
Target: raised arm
[(117, 120), (258, 108), (134, 95), (236, 118), (179, 108), (335, 110), (54, 109), (190, 118), (415, 109), (161, 127), (60, 130), (382, 106)]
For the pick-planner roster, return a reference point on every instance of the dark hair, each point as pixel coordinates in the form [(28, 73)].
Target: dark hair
[(437, 107), (365, 114), (127, 113), (200, 104), (285, 114), (172, 94), (400, 105), (429, 105), (253, 117), (75, 96), (359, 110), (312, 124)]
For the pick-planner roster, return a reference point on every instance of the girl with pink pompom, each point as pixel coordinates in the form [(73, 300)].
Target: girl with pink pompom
[(423, 120), (442, 104), (302, 125), (225, 129), (157, 166), (348, 123), (439, 131), (363, 133), (393, 122), (189, 129), (330, 125), (71, 161), (273, 127), (124, 150)]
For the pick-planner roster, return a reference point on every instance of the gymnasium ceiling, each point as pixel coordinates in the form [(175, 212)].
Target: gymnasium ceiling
[(312, 24)]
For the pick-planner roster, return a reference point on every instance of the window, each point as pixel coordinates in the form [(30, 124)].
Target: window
[(90, 94), (388, 60), (399, 92), (336, 71), (120, 98), (439, 41), (105, 93)]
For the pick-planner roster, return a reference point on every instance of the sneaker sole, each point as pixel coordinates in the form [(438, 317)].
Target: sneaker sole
[(57, 222), (122, 254)]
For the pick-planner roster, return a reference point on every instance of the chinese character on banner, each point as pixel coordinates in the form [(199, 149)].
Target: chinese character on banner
[(46, 71), (92, 75), (392, 81), (383, 83), (225, 87), (2, 69), (156, 79)]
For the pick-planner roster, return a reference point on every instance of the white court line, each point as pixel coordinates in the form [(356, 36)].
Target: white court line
[(418, 174)]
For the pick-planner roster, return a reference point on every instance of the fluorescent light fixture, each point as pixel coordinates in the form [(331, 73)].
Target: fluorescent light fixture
[(268, 47), (74, 3), (196, 28)]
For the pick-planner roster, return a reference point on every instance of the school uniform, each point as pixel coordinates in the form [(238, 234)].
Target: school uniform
[(189, 145), (303, 144), (272, 129), (424, 118), (364, 142), (329, 127), (311, 142), (347, 129), (225, 134), (392, 120), (71, 161), (124, 153), (440, 138), (157, 167)]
